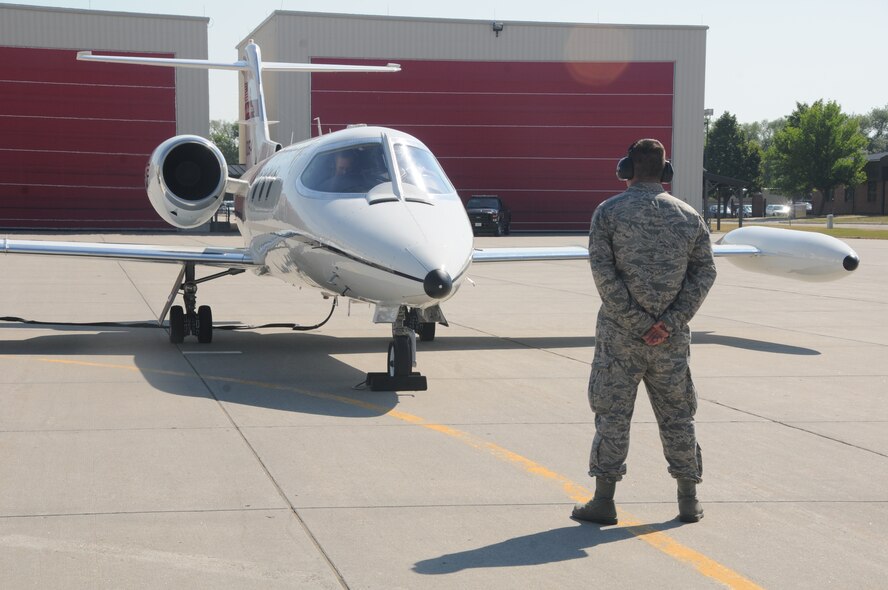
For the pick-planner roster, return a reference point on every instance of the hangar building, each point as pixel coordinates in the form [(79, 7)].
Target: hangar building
[(76, 135), (537, 113)]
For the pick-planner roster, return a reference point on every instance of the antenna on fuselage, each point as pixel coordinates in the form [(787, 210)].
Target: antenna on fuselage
[(320, 131)]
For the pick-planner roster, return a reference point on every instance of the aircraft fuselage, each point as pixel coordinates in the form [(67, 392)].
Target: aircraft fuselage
[(377, 235)]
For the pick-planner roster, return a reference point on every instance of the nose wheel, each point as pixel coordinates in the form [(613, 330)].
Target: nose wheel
[(399, 375), (400, 357)]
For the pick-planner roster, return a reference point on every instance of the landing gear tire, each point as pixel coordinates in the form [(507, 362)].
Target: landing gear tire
[(400, 357), (177, 324), (426, 331), (204, 324)]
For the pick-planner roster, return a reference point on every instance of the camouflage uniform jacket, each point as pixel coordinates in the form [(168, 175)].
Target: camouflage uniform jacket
[(651, 260)]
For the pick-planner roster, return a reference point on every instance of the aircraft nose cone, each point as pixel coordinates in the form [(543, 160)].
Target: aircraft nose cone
[(850, 263), (438, 284)]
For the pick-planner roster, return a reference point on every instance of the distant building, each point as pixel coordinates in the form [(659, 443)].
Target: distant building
[(76, 135), (867, 198), (536, 113)]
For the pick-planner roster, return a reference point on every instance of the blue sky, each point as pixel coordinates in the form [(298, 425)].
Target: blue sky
[(761, 56)]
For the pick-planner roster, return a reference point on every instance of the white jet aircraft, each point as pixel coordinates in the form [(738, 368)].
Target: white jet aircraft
[(365, 213)]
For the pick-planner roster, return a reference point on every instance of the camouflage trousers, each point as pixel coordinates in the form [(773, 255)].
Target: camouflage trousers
[(617, 369)]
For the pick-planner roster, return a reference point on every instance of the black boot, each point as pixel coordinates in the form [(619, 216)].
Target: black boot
[(600, 508), (689, 508)]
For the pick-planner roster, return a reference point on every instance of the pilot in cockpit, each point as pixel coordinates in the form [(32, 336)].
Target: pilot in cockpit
[(344, 177)]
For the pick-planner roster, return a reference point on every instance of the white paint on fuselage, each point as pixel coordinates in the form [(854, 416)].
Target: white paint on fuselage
[(343, 244)]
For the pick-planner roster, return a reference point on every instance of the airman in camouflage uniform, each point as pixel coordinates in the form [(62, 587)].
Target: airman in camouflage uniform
[(652, 263)]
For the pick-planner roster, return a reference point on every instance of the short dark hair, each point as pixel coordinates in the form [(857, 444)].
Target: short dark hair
[(648, 159)]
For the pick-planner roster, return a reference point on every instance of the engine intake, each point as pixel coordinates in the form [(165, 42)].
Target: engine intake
[(185, 180)]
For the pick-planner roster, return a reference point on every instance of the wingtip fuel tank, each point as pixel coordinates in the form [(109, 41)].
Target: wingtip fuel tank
[(803, 255)]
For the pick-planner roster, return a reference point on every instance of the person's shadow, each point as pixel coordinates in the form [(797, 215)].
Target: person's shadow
[(562, 544)]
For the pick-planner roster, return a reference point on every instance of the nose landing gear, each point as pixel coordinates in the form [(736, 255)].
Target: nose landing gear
[(399, 375)]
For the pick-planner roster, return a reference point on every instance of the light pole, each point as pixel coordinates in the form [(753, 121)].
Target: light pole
[(707, 113), (740, 211)]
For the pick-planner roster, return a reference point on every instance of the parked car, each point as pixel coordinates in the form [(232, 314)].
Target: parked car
[(725, 211), (223, 220), (226, 209), (489, 213), (747, 211), (777, 210)]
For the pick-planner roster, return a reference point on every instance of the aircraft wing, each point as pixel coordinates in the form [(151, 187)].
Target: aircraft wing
[(581, 253), (802, 255), (210, 256), (527, 254), (735, 250)]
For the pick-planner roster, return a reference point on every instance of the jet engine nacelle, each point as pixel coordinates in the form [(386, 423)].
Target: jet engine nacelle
[(185, 180)]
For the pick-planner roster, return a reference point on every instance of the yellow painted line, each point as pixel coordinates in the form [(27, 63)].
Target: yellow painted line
[(657, 539)]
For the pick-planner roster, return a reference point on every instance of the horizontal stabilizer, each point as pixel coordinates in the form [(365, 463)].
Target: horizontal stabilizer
[(204, 64), (236, 65), (271, 66), (256, 144)]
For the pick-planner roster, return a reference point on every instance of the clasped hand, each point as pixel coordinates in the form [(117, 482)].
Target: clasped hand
[(658, 334)]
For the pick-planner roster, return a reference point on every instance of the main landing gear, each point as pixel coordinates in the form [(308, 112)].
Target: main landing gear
[(399, 375), (191, 320)]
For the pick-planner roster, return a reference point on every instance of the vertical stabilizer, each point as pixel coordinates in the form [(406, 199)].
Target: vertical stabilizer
[(256, 143)]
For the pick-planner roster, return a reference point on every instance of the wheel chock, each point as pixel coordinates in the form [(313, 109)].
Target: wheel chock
[(384, 382)]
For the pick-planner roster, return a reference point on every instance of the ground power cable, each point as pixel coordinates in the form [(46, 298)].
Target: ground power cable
[(290, 326)]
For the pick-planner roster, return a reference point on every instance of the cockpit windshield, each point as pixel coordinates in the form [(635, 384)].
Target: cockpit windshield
[(419, 168), (355, 169), (361, 168)]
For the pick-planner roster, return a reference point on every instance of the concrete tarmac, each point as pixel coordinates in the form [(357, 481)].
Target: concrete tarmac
[(259, 462)]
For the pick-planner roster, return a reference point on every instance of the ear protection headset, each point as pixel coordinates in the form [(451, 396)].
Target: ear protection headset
[(626, 168)]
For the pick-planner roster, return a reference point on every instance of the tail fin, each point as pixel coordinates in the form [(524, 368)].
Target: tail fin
[(256, 141)]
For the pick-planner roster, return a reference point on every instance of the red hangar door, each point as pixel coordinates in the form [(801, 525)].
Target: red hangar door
[(543, 136), (76, 138)]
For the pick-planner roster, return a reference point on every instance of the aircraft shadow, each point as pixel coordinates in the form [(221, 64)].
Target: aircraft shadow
[(552, 546), (455, 343), (281, 371), (287, 371), (749, 344)]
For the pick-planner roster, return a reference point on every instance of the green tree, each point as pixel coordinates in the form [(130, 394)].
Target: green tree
[(762, 132), (875, 126), (819, 148), (224, 134), (729, 152)]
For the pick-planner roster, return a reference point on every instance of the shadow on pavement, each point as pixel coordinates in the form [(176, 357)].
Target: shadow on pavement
[(550, 546)]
